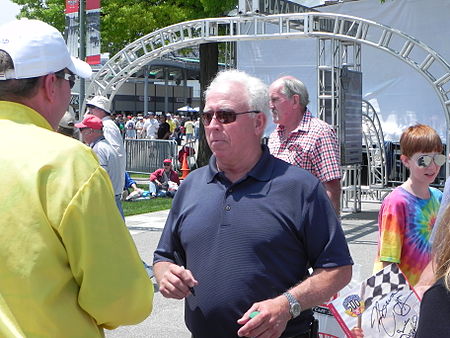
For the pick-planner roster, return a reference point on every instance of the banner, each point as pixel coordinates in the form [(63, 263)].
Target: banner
[(93, 32), (384, 305), (72, 26)]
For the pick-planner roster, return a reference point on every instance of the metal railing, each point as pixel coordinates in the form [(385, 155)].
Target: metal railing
[(145, 156)]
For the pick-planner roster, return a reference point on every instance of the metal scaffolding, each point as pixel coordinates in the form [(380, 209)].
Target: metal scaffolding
[(339, 50)]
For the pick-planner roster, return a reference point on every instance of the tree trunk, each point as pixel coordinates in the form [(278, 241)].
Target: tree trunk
[(209, 54)]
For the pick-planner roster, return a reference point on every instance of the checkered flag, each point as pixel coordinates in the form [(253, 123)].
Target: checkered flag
[(382, 283)]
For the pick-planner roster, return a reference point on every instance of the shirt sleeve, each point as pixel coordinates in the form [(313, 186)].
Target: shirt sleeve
[(391, 229), (329, 248), (326, 156), (114, 287), (154, 175)]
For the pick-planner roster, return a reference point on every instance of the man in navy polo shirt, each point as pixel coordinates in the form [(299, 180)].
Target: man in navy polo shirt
[(243, 230)]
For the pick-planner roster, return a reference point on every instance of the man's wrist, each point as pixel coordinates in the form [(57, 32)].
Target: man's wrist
[(294, 306)]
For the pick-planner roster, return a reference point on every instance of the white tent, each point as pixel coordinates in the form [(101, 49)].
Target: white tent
[(187, 109), (400, 95)]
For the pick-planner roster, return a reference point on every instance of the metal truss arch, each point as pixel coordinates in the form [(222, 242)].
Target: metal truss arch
[(136, 55)]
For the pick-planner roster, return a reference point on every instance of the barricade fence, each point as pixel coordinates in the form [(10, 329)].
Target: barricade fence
[(145, 155)]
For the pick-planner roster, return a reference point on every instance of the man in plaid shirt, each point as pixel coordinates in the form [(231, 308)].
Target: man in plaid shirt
[(301, 139)]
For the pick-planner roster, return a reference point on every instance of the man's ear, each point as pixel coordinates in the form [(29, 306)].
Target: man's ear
[(260, 122), (296, 99), (48, 85)]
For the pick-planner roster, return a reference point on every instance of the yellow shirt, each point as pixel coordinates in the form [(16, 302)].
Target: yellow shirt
[(172, 125), (68, 265)]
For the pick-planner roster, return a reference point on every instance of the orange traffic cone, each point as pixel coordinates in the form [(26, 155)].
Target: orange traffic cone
[(185, 167)]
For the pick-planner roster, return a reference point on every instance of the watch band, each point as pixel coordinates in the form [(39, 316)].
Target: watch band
[(294, 306)]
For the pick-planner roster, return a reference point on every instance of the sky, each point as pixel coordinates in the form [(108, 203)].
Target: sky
[(8, 11)]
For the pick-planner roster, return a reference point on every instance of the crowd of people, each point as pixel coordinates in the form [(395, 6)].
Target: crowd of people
[(160, 126), (253, 240)]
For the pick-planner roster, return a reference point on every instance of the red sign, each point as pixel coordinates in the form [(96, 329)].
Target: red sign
[(92, 4), (71, 6)]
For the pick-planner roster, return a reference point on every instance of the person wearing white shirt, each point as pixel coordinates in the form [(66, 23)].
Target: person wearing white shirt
[(100, 106)]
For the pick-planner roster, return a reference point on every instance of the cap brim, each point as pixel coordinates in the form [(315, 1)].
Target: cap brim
[(80, 68), (80, 125)]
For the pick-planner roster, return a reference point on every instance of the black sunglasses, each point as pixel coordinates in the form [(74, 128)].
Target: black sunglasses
[(223, 116), (66, 76)]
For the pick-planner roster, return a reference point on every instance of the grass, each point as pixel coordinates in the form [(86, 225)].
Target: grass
[(144, 206)]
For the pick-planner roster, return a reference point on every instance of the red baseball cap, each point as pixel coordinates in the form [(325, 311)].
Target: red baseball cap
[(167, 160), (90, 121)]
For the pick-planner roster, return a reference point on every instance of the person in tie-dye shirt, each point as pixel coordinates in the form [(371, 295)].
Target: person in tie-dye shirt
[(408, 213)]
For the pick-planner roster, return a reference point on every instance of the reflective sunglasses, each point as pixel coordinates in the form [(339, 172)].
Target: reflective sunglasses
[(222, 116), (66, 76), (424, 161)]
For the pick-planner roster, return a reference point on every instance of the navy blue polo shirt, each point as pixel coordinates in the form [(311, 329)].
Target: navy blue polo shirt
[(250, 240)]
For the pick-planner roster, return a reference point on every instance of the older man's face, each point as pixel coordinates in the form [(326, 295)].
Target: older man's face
[(280, 105), (229, 141)]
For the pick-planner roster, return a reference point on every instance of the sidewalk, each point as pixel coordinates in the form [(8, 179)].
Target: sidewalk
[(152, 221), (361, 231)]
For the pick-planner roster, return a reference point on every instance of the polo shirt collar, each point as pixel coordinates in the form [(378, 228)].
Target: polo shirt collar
[(22, 114), (261, 171)]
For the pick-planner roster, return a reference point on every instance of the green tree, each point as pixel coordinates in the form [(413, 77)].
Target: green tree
[(124, 21)]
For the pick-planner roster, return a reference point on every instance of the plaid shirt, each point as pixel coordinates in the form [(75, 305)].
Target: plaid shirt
[(312, 146)]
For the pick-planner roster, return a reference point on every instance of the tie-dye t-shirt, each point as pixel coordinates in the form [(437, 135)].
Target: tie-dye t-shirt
[(405, 222)]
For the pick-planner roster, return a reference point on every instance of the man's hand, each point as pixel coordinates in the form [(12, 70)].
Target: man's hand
[(269, 323), (174, 281)]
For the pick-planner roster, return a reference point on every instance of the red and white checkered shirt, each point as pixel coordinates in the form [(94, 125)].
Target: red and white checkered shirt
[(312, 146)]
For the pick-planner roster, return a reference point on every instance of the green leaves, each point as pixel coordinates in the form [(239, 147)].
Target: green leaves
[(123, 21)]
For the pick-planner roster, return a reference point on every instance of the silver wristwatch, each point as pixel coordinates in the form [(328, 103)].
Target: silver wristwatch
[(294, 305)]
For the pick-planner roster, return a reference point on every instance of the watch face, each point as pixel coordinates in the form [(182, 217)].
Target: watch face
[(295, 310)]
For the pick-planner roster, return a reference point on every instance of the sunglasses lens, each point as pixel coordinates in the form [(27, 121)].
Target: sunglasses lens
[(424, 161), (439, 159), (226, 117), (206, 118)]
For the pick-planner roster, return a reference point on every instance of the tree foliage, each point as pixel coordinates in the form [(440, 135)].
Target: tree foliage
[(123, 21)]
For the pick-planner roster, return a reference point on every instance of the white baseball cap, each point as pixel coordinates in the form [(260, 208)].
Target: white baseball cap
[(37, 49), (100, 102)]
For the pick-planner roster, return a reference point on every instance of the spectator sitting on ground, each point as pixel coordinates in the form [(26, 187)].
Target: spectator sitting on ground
[(130, 183), (164, 181)]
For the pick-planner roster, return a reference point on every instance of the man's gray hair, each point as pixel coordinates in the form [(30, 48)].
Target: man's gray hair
[(292, 86), (13, 88), (258, 97)]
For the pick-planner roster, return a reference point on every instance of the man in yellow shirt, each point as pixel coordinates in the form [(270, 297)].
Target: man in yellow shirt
[(69, 267)]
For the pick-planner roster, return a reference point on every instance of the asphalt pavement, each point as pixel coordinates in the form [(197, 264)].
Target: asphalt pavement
[(167, 318)]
